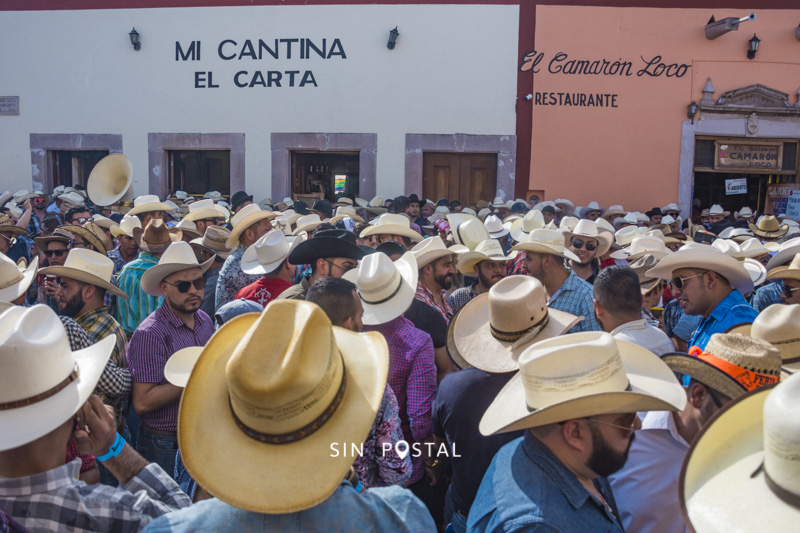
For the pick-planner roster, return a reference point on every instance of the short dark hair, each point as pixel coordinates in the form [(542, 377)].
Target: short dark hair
[(617, 289), (400, 204), (335, 297), (82, 209)]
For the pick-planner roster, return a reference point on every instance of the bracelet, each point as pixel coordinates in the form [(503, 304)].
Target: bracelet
[(114, 451)]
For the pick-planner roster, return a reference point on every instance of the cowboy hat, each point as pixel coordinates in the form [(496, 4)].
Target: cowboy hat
[(386, 288), (742, 472), (72, 198), (779, 325), (731, 363), (288, 360), (148, 203), (567, 224), (126, 225), (214, 196), (467, 230), (201, 210), (390, 224), (429, 250), (240, 197), (21, 195), (5, 197), (346, 211), (643, 245), (246, 217), (341, 200), (189, 228), (746, 212), (785, 253), (328, 243), (582, 375), (624, 237), (44, 382), (768, 227), (670, 207), (375, 206), (495, 226), (488, 250), (492, 330), (564, 201), (728, 247), (180, 364), (90, 267), (641, 266), (105, 223), (213, 241), (15, 278), (93, 234), (593, 206), (757, 271), (545, 241), (614, 211), (790, 271), (705, 258), (156, 237), (589, 229), (716, 209), (307, 223), (178, 256), (7, 227), (269, 252), (522, 227)]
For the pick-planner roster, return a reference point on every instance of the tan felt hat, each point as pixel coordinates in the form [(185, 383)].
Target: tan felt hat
[(390, 224), (779, 325), (156, 237), (791, 271), (180, 364), (768, 227), (214, 241), (545, 241), (706, 258), (246, 217), (178, 256), (90, 267)]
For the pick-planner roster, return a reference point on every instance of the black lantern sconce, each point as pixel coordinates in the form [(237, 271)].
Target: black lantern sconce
[(753, 47), (134, 35), (393, 35), (691, 110)]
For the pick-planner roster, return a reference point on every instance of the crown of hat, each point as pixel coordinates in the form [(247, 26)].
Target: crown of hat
[(752, 247), (745, 351), (346, 211), (586, 228), (779, 324), (625, 236), (491, 248), (728, 247), (782, 436), (592, 206), (516, 304), (647, 243), (307, 220), (395, 220), (716, 209), (244, 212), (206, 203), (272, 247), (378, 279), (156, 232), (185, 224), (376, 202), (532, 220), (548, 237), (642, 265), (145, 199), (91, 262), (769, 223), (98, 233), (427, 246), (493, 224), (215, 237), (10, 272), (471, 232)]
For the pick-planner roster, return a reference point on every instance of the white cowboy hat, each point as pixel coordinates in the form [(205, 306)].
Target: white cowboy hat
[(745, 212), (564, 201), (72, 198), (785, 253), (670, 207), (246, 217), (5, 197), (44, 382), (628, 220), (345, 211), (488, 250), (213, 241), (269, 252), (178, 256), (728, 247), (391, 224), (614, 211), (189, 228), (15, 211), (307, 223), (467, 230), (495, 227), (742, 473), (779, 325), (491, 330), (589, 229), (90, 267), (520, 228), (624, 237), (202, 209), (180, 364), (752, 247), (582, 375), (376, 206), (126, 226), (790, 271), (181, 195), (716, 209), (757, 271), (21, 196), (147, 203), (386, 288), (567, 224), (430, 250), (643, 245), (15, 278), (593, 206), (706, 258), (545, 241)]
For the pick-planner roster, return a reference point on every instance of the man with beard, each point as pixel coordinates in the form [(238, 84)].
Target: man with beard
[(577, 396), (488, 263), (55, 248), (436, 272), (413, 210), (647, 486), (176, 324)]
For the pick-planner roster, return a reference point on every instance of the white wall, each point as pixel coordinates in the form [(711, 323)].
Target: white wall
[(453, 71)]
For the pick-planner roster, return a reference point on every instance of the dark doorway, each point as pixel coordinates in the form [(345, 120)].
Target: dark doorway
[(72, 167), (323, 175), (200, 171)]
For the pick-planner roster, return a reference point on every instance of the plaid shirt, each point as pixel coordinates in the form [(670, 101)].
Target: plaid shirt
[(158, 337), (78, 339), (139, 304), (412, 377), (767, 295), (461, 297), (56, 500), (115, 382), (232, 279), (576, 298), (517, 265), (672, 313), (425, 295)]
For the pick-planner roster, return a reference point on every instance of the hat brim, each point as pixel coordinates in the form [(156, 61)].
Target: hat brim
[(85, 277), (151, 279), (704, 373), (269, 478), (90, 237), (653, 387), (198, 243), (769, 234), (398, 304), (246, 222), (429, 257), (391, 229), (180, 364), (377, 211), (468, 260), (355, 217), (502, 233), (308, 251), (604, 240), (715, 261), (14, 291), (175, 235), (149, 207), (306, 227), (14, 229), (783, 256), (202, 214), (476, 345), (542, 249), (41, 242), (251, 265)]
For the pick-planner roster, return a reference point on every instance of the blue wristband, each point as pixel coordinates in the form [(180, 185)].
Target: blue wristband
[(114, 451)]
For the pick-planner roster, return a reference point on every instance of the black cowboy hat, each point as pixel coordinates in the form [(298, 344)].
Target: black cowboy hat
[(240, 197), (654, 211), (328, 243)]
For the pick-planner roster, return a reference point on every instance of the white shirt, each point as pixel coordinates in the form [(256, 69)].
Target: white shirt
[(647, 336), (646, 489)]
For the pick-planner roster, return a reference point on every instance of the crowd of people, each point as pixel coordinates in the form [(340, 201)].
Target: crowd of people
[(213, 363)]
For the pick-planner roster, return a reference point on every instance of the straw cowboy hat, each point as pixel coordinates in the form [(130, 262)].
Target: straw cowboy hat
[(7, 227), (346, 211), (328, 243), (386, 288), (492, 330), (641, 266), (44, 382), (214, 241), (670, 207), (390, 224), (545, 241), (58, 235), (643, 245), (706, 258), (201, 210), (779, 325), (521, 228), (582, 375), (731, 363), (15, 278), (288, 359), (429, 250), (495, 227), (246, 217), (768, 227), (156, 237), (467, 230), (488, 250), (269, 252), (126, 225), (72, 198), (742, 472), (342, 200), (148, 203), (90, 267), (593, 206), (178, 256), (5, 197), (307, 223), (589, 229), (93, 234), (103, 222), (180, 364), (189, 228)]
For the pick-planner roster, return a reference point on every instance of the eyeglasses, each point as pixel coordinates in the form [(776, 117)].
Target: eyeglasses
[(578, 244), (212, 221), (673, 214), (787, 291), (11, 240), (183, 286), (628, 429), (78, 244), (81, 220), (57, 253), (347, 268), (680, 281)]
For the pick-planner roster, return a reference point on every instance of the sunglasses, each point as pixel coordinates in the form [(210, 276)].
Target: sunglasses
[(629, 429), (81, 220), (11, 240), (183, 286), (578, 244), (787, 291), (78, 244), (347, 267), (57, 253), (680, 281)]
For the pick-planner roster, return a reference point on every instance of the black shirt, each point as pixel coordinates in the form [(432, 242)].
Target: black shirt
[(428, 320)]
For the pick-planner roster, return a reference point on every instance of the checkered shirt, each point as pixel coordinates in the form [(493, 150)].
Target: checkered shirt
[(425, 295), (462, 297), (139, 304), (56, 500), (517, 265), (78, 339), (576, 298), (672, 313), (232, 279), (767, 295)]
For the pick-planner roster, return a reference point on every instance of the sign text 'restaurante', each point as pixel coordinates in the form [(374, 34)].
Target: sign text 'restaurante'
[(289, 49)]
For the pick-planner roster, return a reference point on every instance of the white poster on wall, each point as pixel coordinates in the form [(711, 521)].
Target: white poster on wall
[(793, 204)]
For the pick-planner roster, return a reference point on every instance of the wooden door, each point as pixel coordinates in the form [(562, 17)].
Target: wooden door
[(459, 176)]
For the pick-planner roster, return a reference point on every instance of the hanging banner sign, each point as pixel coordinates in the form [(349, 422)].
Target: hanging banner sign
[(778, 198), (793, 204), (736, 186), (749, 156)]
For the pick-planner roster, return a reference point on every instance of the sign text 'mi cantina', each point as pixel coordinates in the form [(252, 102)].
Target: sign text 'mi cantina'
[(260, 50)]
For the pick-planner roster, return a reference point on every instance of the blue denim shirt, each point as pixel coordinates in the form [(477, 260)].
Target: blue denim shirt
[(377, 509), (527, 489), (732, 310)]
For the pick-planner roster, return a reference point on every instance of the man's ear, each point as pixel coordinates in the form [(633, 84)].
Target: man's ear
[(598, 309), (576, 435), (88, 291), (322, 267), (697, 395)]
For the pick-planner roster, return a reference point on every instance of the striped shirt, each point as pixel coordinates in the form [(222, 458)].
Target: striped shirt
[(155, 340), (576, 298), (425, 295), (462, 297), (139, 304), (232, 279)]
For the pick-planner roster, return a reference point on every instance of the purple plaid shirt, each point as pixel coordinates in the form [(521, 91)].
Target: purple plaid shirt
[(412, 376), (159, 336)]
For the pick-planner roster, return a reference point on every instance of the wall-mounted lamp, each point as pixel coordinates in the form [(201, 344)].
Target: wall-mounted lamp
[(753, 47), (393, 35), (716, 28), (134, 35), (691, 110)]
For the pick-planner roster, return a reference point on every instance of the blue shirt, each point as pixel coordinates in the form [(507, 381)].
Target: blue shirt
[(576, 297), (732, 310), (378, 509), (527, 489), (767, 295)]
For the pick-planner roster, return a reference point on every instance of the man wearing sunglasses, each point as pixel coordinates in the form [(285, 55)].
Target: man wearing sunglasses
[(176, 324), (54, 249), (588, 242)]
